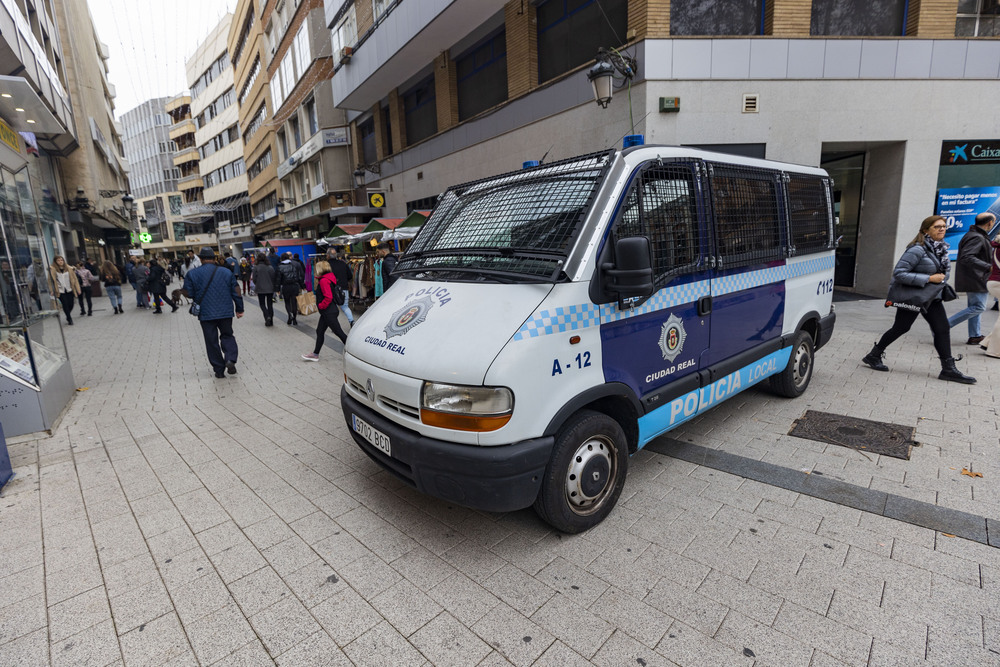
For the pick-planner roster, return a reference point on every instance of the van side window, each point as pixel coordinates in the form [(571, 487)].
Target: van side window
[(809, 213), (747, 219), (661, 206)]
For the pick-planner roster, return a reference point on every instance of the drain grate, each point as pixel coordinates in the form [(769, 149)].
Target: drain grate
[(864, 435)]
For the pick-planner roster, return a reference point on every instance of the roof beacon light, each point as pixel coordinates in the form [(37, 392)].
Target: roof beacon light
[(633, 140)]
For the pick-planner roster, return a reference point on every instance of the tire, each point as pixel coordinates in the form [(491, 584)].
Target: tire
[(590, 447), (793, 381)]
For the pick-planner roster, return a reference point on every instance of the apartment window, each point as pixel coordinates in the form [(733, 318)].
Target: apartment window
[(978, 18), (259, 165), (387, 129), (380, 7), (293, 126), (302, 54), (283, 144), (241, 42), (266, 204), (716, 17), (420, 110), (316, 172), (850, 18), (288, 73), (345, 34), (310, 110), (251, 78), (570, 32), (366, 132), (277, 94), (256, 122), (482, 76)]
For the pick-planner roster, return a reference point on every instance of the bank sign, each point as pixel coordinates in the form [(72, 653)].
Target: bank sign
[(970, 151), (960, 206)]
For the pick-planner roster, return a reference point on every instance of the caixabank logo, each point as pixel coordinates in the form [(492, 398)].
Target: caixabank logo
[(979, 151)]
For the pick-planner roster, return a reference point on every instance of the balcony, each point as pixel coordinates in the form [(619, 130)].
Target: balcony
[(196, 209), (185, 126), (189, 182), (185, 155)]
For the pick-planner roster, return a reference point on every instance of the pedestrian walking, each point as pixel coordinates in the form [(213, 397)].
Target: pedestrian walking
[(112, 280), (157, 286), (924, 263), (245, 271), (971, 271), (65, 284), (991, 343), (383, 269), (344, 276), (263, 282), (87, 280), (141, 273), (216, 292), (289, 281), (329, 315)]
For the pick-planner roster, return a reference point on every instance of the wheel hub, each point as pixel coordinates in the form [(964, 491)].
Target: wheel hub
[(590, 474)]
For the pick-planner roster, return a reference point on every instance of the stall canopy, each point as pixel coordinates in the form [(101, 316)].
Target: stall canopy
[(384, 229)]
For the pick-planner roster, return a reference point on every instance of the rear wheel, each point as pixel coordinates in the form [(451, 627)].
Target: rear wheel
[(792, 381), (586, 473)]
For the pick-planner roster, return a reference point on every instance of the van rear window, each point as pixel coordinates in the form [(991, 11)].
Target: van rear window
[(809, 213), (521, 225)]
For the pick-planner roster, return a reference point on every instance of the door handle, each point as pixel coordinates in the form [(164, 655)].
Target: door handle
[(704, 305)]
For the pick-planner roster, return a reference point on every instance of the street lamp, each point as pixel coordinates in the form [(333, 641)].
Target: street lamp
[(359, 177), (128, 201), (612, 68)]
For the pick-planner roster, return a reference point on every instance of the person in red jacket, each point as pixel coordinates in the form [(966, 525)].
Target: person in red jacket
[(329, 313)]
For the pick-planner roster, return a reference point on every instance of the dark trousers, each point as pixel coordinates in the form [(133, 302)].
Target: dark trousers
[(220, 343), (329, 319), (291, 303), (86, 293), (156, 300), (266, 302), (935, 316), (67, 299)]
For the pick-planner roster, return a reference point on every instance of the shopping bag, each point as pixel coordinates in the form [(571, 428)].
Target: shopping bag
[(306, 303)]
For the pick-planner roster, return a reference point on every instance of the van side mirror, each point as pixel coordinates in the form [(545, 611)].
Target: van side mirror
[(632, 273)]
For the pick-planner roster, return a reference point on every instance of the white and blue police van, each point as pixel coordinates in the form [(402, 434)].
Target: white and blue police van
[(548, 323)]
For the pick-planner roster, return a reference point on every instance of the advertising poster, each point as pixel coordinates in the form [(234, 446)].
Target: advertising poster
[(960, 206)]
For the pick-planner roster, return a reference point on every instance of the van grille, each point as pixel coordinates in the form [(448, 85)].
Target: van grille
[(751, 103), (401, 408)]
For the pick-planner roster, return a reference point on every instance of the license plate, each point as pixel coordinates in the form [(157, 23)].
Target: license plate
[(371, 434)]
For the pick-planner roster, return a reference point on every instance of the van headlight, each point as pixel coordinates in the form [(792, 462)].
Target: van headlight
[(465, 408)]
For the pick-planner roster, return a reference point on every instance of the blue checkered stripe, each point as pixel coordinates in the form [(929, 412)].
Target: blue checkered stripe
[(586, 315), (564, 318)]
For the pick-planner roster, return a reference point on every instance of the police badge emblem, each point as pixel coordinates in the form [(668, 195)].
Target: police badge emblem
[(672, 338), (409, 316)]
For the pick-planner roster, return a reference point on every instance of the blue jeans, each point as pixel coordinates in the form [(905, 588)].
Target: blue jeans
[(347, 311), (115, 294), (977, 304)]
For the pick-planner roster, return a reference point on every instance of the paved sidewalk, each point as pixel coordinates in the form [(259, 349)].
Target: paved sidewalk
[(177, 519)]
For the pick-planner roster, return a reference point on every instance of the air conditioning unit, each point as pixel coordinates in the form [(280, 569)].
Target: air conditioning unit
[(345, 54)]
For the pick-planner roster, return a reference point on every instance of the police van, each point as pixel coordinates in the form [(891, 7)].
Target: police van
[(548, 323)]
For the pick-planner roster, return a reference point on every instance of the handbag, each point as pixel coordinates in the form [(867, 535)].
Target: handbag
[(195, 308), (306, 302), (910, 297)]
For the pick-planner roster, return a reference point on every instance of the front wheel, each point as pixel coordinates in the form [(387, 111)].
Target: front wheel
[(792, 382), (586, 473)]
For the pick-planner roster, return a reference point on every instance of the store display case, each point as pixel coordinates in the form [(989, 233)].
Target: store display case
[(36, 380)]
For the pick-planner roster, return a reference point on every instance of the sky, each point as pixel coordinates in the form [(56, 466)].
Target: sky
[(149, 42)]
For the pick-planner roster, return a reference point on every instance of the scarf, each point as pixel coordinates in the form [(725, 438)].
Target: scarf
[(940, 250)]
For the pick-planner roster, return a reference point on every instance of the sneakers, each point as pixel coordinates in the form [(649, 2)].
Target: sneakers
[(231, 367), (311, 357), (975, 340)]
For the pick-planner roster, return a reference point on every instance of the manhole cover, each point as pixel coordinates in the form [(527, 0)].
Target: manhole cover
[(864, 435)]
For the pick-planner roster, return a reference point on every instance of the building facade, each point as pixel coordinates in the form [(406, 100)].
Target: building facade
[(310, 149), (95, 174), (440, 92), (250, 58), (218, 139)]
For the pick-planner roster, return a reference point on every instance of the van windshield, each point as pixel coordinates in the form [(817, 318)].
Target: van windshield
[(518, 227)]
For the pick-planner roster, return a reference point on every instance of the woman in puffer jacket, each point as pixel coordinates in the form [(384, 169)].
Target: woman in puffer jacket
[(925, 261)]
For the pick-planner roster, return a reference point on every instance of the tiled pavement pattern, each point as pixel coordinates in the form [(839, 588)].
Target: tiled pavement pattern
[(176, 519)]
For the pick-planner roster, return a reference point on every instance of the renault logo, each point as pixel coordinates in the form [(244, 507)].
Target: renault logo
[(370, 390)]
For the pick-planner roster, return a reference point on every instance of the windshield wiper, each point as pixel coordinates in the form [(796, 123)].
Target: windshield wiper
[(508, 277)]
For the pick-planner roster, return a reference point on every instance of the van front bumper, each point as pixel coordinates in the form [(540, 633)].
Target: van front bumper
[(495, 479)]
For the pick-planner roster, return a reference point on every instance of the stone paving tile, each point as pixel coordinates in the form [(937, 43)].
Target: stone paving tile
[(258, 590), (317, 650), (406, 607), (382, 646), (30, 650), (219, 634), (463, 598), (140, 605), (97, 645), (155, 643), (446, 641), (519, 639), (621, 649), (686, 646), (346, 616), (283, 625)]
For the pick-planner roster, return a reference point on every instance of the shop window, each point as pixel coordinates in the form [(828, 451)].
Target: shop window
[(716, 17), (747, 220), (571, 31), (419, 106), (858, 18), (482, 76), (366, 131), (978, 18), (661, 206)]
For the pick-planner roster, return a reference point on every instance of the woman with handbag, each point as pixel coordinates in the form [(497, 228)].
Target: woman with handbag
[(112, 280), (921, 277), (64, 283), (992, 341), (329, 312)]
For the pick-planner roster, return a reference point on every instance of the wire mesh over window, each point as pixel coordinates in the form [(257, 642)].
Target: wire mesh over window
[(809, 213), (521, 224), (661, 206), (747, 219)]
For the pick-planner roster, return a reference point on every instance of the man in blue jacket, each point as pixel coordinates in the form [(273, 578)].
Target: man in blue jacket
[(216, 291)]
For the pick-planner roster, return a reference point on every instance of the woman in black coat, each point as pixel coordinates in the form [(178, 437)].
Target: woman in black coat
[(289, 280), (156, 284), (263, 284)]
